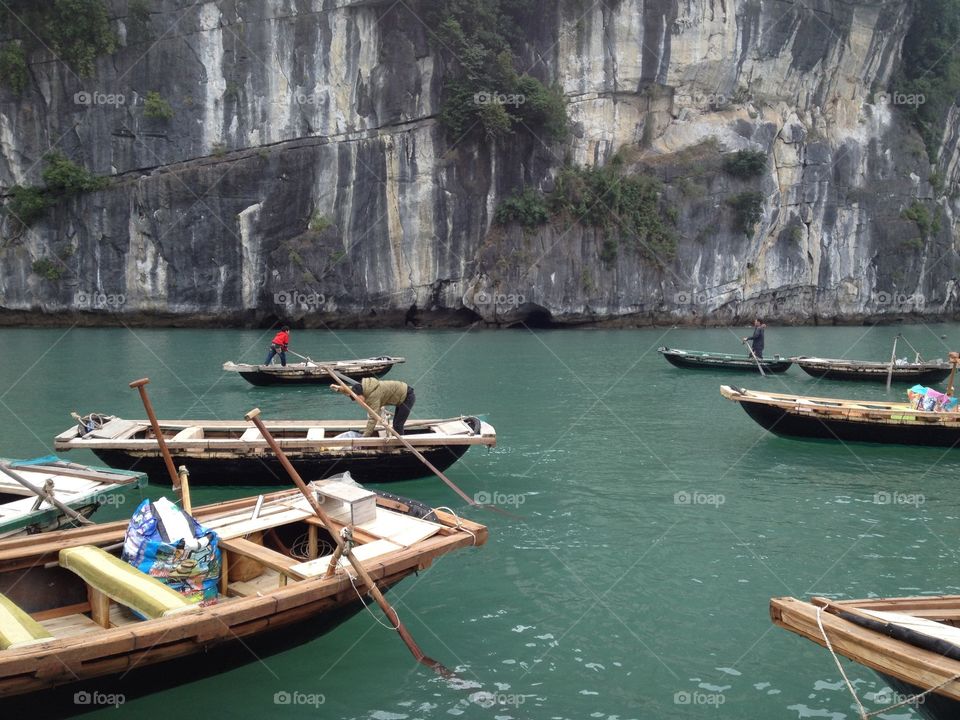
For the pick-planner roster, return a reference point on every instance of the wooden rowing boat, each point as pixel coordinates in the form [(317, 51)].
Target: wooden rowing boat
[(312, 371), (235, 453), (913, 643), (273, 583), (82, 488), (722, 361), (838, 419), (838, 369)]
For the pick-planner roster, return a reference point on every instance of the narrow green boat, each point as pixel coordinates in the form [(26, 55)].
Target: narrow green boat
[(27, 488), (722, 361)]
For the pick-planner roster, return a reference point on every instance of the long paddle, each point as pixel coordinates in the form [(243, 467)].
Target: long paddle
[(346, 388), (182, 493), (254, 416), (755, 358)]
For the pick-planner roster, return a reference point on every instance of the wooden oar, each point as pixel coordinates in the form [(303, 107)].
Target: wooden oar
[(254, 416), (954, 358), (302, 357), (336, 376), (140, 385), (893, 357), (40, 493), (755, 358)]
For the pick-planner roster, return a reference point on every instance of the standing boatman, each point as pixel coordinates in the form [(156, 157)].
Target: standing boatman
[(278, 346), (756, 340)]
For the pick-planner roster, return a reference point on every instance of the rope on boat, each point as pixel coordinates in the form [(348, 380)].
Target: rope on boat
[(917, 352), (864, 715), (367, 607), (459, 522)]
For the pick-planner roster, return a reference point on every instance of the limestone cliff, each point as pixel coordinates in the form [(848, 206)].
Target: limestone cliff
[(302, 173)]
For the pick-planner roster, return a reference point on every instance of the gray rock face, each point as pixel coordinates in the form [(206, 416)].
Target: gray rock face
[(304, 175)]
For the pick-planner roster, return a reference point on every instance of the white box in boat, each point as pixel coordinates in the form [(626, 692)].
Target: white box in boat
[(348, 504)]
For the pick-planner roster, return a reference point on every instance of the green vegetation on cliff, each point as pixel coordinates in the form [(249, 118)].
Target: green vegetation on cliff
[(927, 82), (62, 178), (627, 209), (484, 91), (76, 31)]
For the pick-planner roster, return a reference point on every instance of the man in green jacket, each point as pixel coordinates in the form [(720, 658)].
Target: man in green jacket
[(377, 393)]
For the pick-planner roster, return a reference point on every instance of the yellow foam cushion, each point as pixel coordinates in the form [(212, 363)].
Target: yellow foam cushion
[(122, 582), (17, 628)]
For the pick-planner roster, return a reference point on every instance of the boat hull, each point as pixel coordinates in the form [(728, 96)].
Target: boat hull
[(875, 375), (265, 469), (748, 364), (788, 424), (261, 378)]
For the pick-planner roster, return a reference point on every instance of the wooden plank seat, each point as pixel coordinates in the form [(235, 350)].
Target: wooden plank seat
[(113, 429), (263, 555), (17, 628), (110, 578), (191, 433), (251, 435)]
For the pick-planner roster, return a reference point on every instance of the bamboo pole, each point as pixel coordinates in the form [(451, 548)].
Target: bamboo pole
[(954, 358), (140, 385), (254, 416), (401, 438), (185, 501), (893, 357), (755, 358), (49, 497)]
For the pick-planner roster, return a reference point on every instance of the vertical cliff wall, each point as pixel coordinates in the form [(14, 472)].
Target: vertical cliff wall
[(301, 171)]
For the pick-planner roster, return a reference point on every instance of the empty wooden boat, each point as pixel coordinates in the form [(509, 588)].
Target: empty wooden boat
[(913, 643), (67, 601), (838, 419), (27, 485), (722, 361), (838, 369), (312, 371), (235, 453)]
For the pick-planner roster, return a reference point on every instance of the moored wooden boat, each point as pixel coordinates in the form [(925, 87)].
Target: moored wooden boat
[(234, 452), (913, 643), (312, 371), (838, 369), (838, 419), (722, 361), (82, 488), (272, 584)]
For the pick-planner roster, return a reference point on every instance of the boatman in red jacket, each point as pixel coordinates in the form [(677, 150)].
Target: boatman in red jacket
[(278, 346)]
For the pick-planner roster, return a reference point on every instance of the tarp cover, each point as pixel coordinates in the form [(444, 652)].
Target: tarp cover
[(167, 543)]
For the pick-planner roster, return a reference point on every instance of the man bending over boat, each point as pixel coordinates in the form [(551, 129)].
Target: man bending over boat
[(376, 394), (278, 346), (756, 340)]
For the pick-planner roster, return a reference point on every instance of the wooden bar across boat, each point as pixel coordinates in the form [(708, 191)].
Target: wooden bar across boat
[(838, 369), (234, 452), (273, 584), (722, 361), (312, 371), (82, 488), (913, 642), (838, 419)]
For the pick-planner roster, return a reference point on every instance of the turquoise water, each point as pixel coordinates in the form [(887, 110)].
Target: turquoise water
[(654, 519)]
